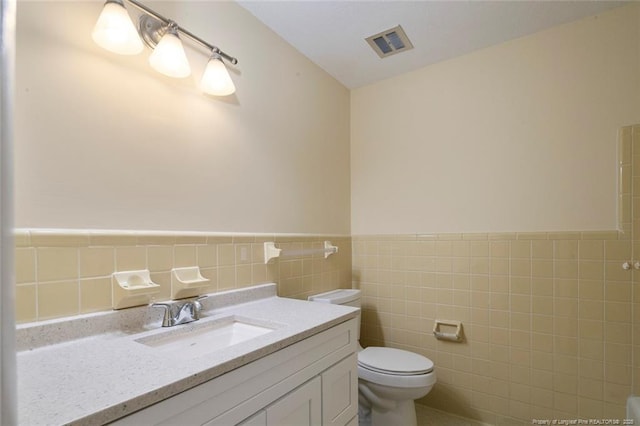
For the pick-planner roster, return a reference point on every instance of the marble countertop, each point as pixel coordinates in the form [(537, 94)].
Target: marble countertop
[(89, 369)]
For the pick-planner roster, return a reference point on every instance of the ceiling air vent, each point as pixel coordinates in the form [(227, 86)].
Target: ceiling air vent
[(390, 42)]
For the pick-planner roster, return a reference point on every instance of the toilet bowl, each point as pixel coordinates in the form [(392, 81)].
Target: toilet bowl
[(389, 379)]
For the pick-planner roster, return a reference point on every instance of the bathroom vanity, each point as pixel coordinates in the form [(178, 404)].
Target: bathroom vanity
[(288, 362), (311, 382)]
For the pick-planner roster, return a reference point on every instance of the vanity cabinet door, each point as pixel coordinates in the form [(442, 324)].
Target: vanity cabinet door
[(301, 407), (340, 392)]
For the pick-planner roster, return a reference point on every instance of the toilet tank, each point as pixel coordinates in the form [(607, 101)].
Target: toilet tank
[(347, 297)]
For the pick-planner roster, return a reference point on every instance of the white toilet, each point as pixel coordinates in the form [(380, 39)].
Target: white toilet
[(389, 379)]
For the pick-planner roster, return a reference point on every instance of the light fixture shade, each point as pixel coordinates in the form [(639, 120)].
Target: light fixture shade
[(114, 30), (169, 57), (216, 79)]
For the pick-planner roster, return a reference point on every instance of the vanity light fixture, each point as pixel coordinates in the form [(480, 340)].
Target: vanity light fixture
[(216, 80), (115, 32), (168, 56)]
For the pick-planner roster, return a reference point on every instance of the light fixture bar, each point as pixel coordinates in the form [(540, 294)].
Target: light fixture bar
[(187, 33)]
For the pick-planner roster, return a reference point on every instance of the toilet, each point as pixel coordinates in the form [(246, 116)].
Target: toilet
[(389, 380)]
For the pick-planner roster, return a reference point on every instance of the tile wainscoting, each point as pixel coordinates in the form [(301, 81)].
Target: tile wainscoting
[(61, 272), (547, 319)]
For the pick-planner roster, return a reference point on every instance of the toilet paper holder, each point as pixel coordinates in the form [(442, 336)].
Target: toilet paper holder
[(442, 335)]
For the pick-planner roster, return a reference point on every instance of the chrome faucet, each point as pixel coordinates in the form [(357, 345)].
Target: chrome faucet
[(180, 312)]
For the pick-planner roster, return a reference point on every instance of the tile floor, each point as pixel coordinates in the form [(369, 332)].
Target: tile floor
[(428, 416)]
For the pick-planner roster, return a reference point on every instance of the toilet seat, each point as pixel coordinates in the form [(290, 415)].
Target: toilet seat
[(395, 368), (394, 361)]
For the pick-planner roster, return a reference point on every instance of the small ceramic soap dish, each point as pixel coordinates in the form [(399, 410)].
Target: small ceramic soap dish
[(187, 282), (132, 288)]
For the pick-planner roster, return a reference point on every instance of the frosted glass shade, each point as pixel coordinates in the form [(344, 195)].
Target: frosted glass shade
[(169, 58), (115, 32), (216, 79)]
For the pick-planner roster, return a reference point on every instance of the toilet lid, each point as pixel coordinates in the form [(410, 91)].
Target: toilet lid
[(394, 361)]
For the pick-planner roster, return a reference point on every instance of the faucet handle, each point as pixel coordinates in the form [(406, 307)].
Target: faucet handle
[(197, 301), (198, 306), (166, 318), (165, 305)]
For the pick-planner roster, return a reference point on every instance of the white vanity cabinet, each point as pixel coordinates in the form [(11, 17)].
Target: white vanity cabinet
[(311, 382), (300, 407)]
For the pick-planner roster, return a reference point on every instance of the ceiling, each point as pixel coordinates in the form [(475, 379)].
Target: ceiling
[(332, 33)]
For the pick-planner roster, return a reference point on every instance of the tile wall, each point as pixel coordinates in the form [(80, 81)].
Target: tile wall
[(631, 136), (548, 317), (63, 273)]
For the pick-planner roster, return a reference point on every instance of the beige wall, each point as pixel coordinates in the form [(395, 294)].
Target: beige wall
[(105, 142), (550, 319), (517, 137), (461, 173)]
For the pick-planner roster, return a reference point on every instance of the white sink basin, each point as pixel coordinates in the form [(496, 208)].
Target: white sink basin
[(201, 338)]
